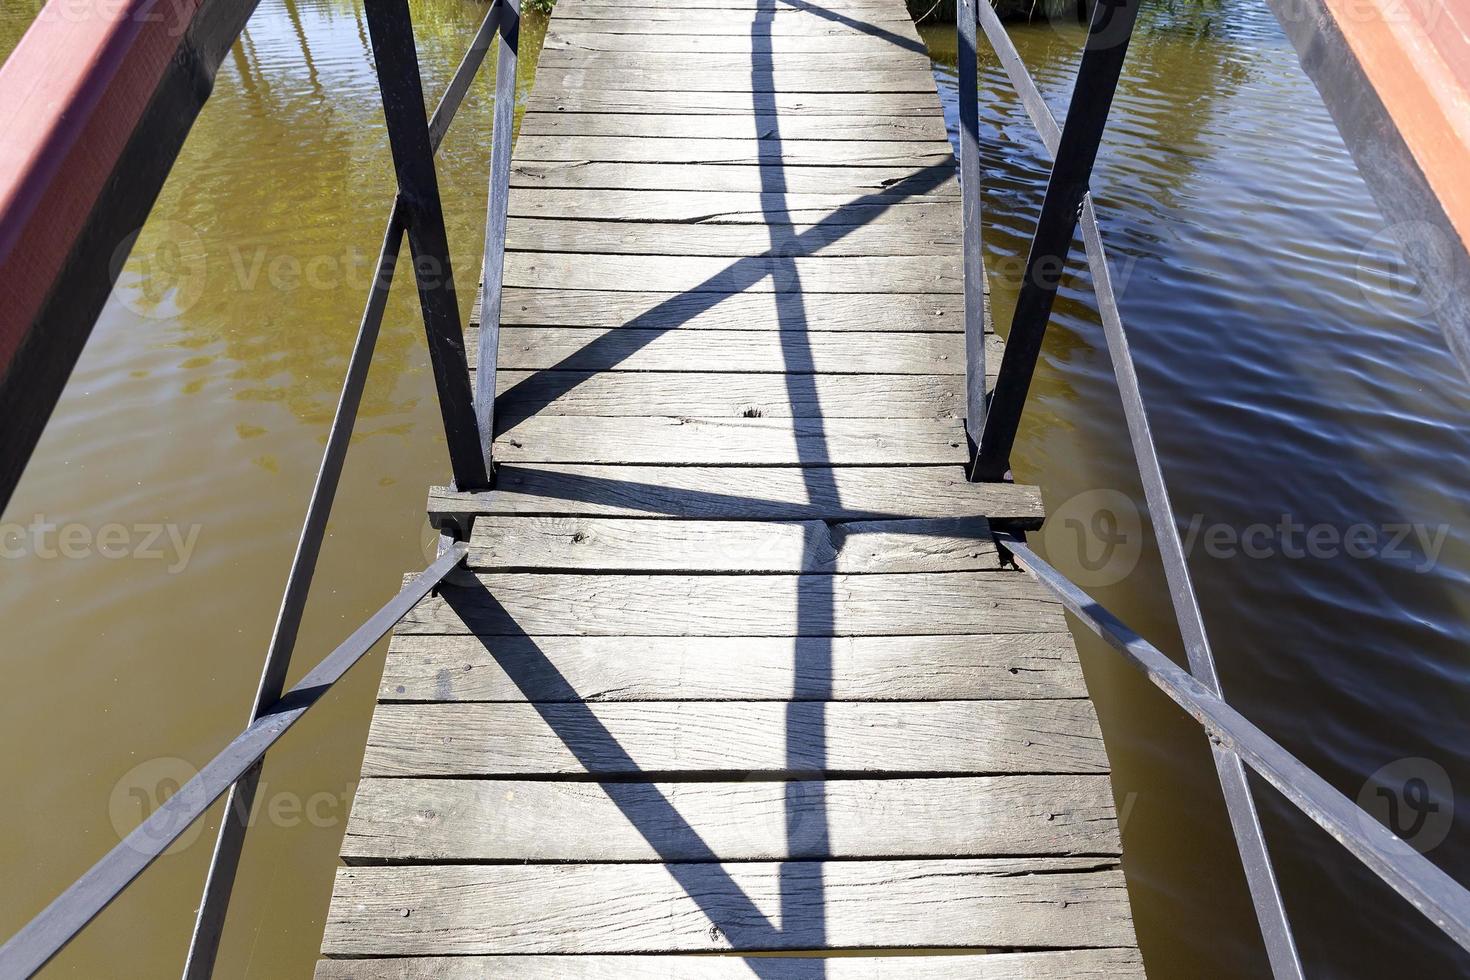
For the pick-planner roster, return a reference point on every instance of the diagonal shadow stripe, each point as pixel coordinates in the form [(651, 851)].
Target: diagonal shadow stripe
[(522, 400), (861, 26), (812, 667), (701, 504), (686, 856)]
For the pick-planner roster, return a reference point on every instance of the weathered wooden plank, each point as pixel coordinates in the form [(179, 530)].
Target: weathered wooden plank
[(458, 909), (819, 312), (761, 50), (783, 104), (710, 737), (732, 207), (791, 352), (1078, 964), (730, 76), (938, 184), (857, 38), (894, 27), (396, 820), (925, 274), (890, 27), (757, 124), (680, 8), (952, 544), (879, 237), (677, 8), (733, 441), (884, 17), (917, 604), (751, 493), (700, 393), (640, 544), (1004, 666), (761, 71)]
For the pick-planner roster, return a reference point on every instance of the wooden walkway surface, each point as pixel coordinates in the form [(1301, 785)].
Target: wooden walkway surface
[(737, 666)]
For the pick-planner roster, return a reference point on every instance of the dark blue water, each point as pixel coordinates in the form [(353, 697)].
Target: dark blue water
[(1310, 421)]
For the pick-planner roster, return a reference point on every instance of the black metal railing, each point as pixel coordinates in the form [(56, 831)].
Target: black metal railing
[(1235, 742), (417, 213)]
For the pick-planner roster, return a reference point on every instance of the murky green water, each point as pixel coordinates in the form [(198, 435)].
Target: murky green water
[(1287, 371)]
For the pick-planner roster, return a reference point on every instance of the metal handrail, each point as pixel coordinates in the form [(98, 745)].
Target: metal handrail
[(416, 214), (58, 923), (1235, 742), (219, 884), (1437, 896)]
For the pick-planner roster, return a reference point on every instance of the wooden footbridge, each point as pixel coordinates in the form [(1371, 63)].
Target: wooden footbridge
[(736, 665), (734, 660)]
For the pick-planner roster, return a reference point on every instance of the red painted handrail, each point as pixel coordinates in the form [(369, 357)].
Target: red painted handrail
[(1416, 55), (95, 103), (71, 95)]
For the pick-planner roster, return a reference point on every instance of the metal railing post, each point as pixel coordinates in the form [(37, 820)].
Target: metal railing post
[(1250, 838), (1437, 896), (1245, 821), (224, 863), (492, 276), (1087, 117), (969, 94), (391, 30)]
